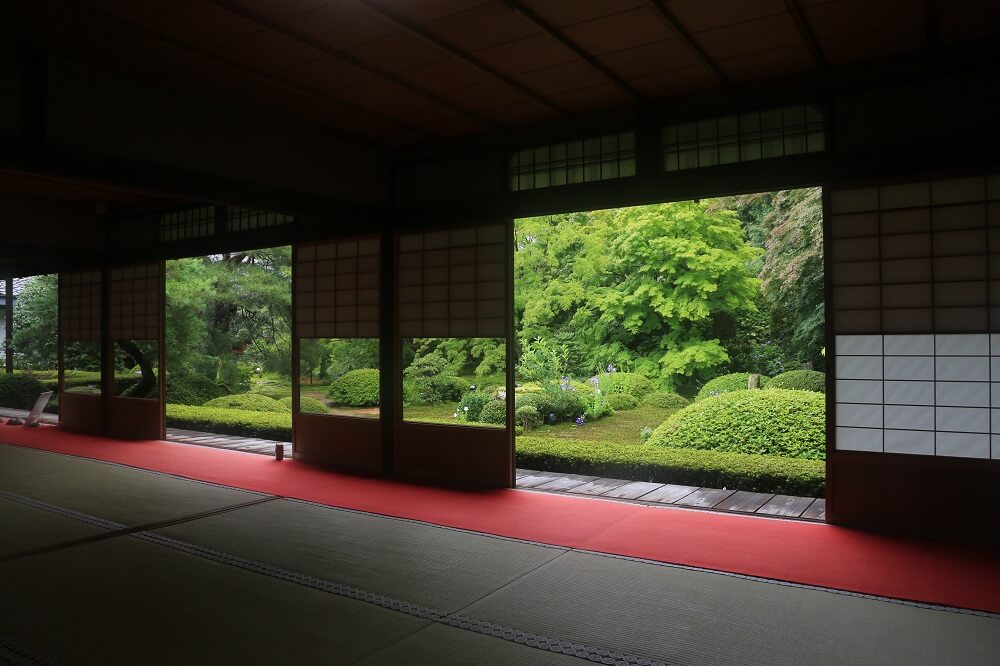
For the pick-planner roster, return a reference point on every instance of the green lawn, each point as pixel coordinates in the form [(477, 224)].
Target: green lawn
[(619, 428)]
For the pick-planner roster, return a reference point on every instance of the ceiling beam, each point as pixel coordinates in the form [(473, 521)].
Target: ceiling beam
[(678, 29), (808, 36), (458, 54), (344, 56), (586, 56), (89, 10), (932, 30)]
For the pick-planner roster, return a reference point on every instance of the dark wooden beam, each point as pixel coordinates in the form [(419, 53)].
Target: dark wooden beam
[(808, 36), (580, 52), (932, 30), (344, 56), (32, 111), (671, 21), (9, 325), (90, 10), (458, 54)]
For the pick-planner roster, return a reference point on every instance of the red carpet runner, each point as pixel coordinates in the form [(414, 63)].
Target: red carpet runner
[(813, 554)]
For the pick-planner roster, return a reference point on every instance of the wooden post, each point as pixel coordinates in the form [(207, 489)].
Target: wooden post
[(9, 336)]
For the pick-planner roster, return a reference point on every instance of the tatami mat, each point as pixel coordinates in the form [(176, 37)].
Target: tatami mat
[(23, 529), (439, 645), (129, 602), (690, 617), (125, 495), (440, 568)]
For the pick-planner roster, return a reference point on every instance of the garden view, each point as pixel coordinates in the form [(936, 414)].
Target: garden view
[(678, 342)]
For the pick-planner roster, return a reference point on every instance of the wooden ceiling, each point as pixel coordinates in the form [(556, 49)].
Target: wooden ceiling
[(408, 72)]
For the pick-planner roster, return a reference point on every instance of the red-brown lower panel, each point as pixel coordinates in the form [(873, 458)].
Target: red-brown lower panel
[(81, 412), (915, 494), (134, 418), (454, 455), (339, 441)]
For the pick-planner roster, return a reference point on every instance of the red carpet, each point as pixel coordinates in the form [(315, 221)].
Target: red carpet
[(814, 554)]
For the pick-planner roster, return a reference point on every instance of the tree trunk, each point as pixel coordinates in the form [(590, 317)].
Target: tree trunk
[(148, 380)]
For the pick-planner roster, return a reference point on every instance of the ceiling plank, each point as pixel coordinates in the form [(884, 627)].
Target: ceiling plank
[(340, 54), (459, 54), (227, 62), (678, 29), (584, 55), (808, 36)]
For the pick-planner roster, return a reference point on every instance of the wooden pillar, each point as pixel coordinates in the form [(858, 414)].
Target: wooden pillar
[(9, 337)]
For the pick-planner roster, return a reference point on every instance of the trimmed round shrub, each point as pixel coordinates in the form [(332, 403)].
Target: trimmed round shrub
[(357, 388), (19, 391), (666, 400), (774, 422), (799, 380), (472, 404), (635, 385), (307, 405), (528, 417), (622, 402), (528, 388), (432, 390), (736, 381), (567, 405), (250, 402), (495, 412), (539, 401), (184, 388)]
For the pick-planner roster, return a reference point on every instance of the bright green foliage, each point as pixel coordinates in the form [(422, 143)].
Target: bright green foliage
[(800, 380), (528, 417), (307, 405), (736, 381), (250, 402), (666, 400), (358, 388), (597, 406), (647, 462), (19, 391), (243, 423), (539, 401), (774, 422), (471, 405), (566, 405), (622, 402), (631, 383), (35, 324), (495, 412), (189, 388)]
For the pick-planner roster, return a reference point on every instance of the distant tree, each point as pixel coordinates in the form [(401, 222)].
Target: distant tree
[(36, 324)]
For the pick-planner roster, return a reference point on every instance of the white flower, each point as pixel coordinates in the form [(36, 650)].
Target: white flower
[(466, 408)]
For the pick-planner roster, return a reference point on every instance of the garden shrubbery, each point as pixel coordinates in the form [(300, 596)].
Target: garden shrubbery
[(736, 381), (472, 405), (647, 462), (774, 422), (630, 383), (357, 388), (186, 388), (495, 412), (799, 380), (222, 421), (250, 402), (666, 400), (20, 391), (622, 402), (307, 405)]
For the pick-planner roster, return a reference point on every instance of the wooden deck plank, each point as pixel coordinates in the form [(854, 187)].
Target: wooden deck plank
[(632, 490), (705, 497), (785, 505), (524, 472), (598, 487), (566, 482), (669, 493), (744, 501), (816, 510), (537, 479)]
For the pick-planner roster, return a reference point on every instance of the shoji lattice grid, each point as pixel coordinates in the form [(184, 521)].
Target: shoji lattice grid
[(916, 298), (186, 224), (570, 162), (453, 283), (756, 135), (134, 302), (246, 219), (337, 289), (80, 305)]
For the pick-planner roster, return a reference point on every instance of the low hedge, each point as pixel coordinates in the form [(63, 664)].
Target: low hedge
[(736, 381), (307, 405), (357, 388), (19, 391), (666, 400), (647, 462), (622, 402), (251, 402), (635, 385), (799, 380), (222, 421)]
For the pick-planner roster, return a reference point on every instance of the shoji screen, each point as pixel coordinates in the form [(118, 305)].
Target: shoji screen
[(80, 351), (336, 288), (135, 349), (916, 302), (455, 283)]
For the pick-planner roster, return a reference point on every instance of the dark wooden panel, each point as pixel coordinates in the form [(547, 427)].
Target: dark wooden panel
[(80, 412), (133, 418), (456, 455), (339, 441)]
